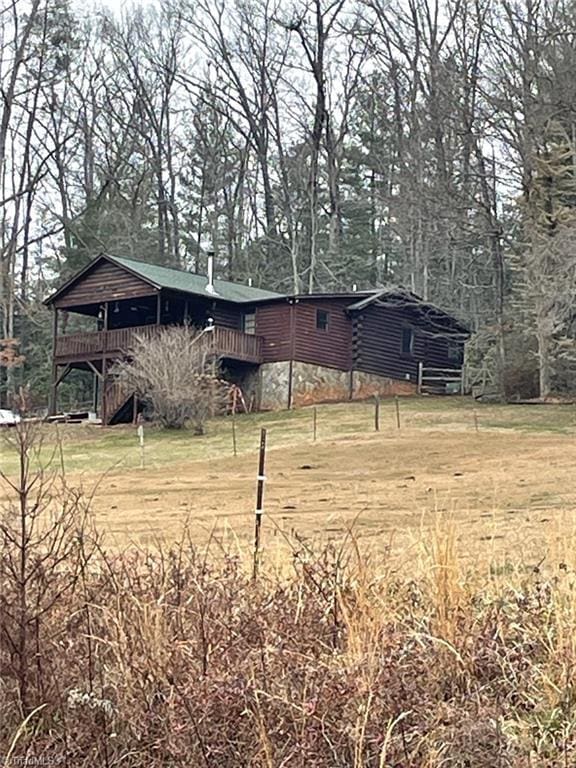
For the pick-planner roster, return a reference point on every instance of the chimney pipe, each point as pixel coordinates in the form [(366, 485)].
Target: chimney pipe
[(250, 282), (210, 287)]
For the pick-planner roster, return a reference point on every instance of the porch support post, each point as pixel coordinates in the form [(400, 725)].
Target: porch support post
[(104, 413), (96, 376), (53, 401), (292, 348), (53, 398), (158, 308), (95, 389)]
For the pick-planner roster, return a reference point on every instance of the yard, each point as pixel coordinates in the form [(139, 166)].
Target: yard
[(436, 629), (500, 478)]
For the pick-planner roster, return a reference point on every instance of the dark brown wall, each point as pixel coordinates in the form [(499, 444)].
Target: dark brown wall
[(378, 344), (331, 347), (273, 323), (436, 354), (105, 282), (227, 315)]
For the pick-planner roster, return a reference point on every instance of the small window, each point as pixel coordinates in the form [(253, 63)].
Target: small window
[(321, 319), (455, 352), (407, 341), (249, 323)]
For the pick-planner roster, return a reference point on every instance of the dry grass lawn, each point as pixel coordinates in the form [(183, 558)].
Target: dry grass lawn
[(436, 626), (509, 489)]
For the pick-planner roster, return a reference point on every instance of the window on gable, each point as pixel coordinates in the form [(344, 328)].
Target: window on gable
[(321, 319), (407, 340)]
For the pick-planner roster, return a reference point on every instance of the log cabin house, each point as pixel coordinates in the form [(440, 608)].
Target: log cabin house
[(282, 350)]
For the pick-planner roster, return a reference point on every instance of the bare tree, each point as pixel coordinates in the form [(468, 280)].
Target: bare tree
[(27, 64), (176, 374), (43, 525), (239, 42), (314, 35), (146, 67)]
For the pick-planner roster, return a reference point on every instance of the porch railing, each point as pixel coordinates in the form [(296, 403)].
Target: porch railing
[(226, 342)]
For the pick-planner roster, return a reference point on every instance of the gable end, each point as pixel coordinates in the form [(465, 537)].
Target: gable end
[(102, 280)]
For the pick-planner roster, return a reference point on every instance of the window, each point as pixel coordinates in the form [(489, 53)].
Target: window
[(321, 319), (455, 352), (249, 323), (407, 341)]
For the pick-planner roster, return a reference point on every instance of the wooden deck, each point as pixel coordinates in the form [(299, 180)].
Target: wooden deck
[(226, 342)]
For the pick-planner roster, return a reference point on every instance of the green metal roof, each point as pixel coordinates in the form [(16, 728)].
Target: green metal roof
[(179, 280)]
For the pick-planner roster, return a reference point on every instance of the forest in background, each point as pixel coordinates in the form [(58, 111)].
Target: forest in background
[(314, 145)]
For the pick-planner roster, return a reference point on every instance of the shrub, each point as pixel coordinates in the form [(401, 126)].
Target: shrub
[(176, 375)]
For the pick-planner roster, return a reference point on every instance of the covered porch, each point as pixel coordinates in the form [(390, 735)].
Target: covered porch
[(96, 352)]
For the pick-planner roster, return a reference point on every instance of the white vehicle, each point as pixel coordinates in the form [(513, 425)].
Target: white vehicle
[(8, 418)]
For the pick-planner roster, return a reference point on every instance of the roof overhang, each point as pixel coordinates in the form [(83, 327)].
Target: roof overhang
[(296, 297), (436, 318)]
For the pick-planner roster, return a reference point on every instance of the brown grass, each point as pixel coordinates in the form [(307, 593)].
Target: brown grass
[(172, 660), (416, 608), (508, 488), (507, 494)]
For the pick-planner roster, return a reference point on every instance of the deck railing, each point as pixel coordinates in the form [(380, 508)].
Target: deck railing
[(226, 342)]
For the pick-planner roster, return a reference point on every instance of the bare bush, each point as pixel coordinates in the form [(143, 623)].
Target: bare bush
[(175, 372), (181, 659), (46, 543)]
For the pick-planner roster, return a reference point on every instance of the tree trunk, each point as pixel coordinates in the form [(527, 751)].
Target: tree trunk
[(544, 363)]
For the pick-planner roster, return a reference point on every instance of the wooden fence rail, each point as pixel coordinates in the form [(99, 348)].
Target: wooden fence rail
[(438, 380)]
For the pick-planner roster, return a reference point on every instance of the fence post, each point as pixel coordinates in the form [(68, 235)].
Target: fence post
[(234, 447), (420, 376), (377, 413), (141, 441), (463, 371), (315, 423), (259, 500), (397, 411)]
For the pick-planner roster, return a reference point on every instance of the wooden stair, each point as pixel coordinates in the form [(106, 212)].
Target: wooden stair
[(117, 397)]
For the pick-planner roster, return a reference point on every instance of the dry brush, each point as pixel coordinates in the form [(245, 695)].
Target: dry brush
[(179, 658)]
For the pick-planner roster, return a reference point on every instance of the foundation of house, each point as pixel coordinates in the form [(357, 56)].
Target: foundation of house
[(285, 384)]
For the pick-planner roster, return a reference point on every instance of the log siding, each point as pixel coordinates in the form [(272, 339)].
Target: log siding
[(332, 346), (273, 324), (105, 282), (378, 344), (227, 315)]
